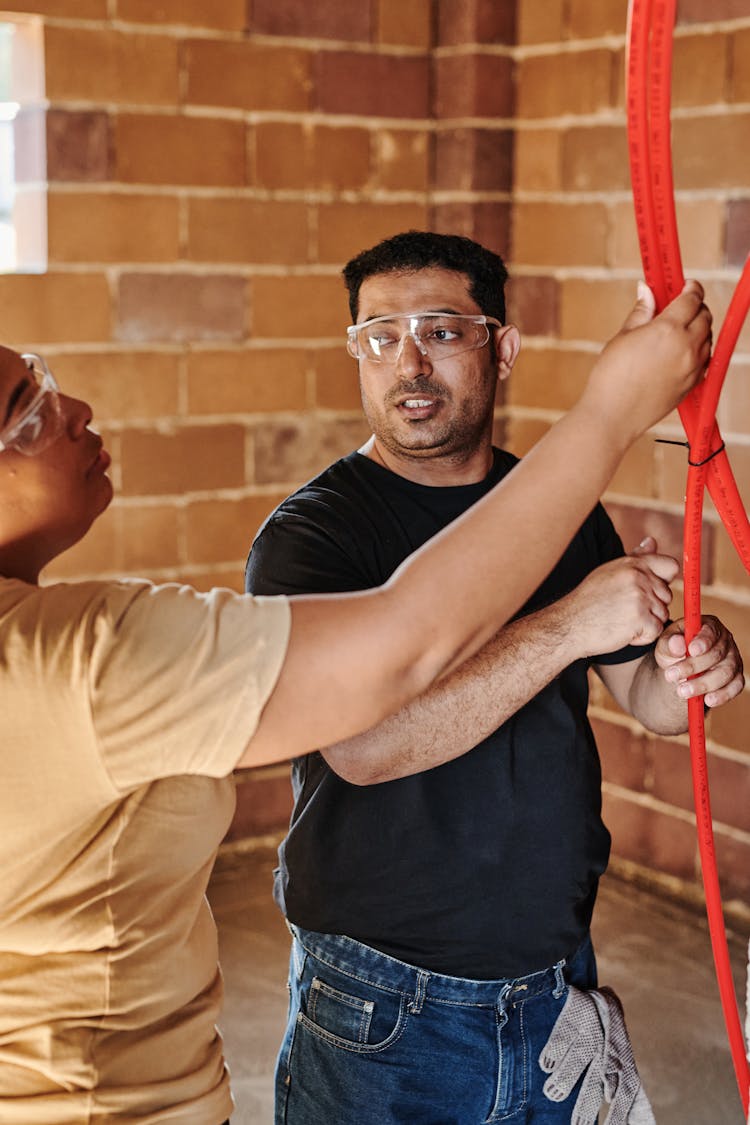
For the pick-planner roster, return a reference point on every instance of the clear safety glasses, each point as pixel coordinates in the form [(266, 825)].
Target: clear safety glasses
[(36, 417), (437, 335)]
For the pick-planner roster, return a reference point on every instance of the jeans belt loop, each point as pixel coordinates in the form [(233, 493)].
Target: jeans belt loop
[(415, 1006), (559, 979)]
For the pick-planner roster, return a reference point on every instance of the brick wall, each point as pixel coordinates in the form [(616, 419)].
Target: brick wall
[(575, 261), (212, 165)]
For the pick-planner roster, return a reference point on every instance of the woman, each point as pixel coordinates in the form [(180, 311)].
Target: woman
[(126, 706)]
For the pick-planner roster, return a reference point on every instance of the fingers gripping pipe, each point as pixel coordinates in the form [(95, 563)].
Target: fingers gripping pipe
[(649, 66)]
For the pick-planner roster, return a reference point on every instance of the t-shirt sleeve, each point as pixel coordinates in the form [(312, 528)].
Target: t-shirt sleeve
[(304, 552), (179, 679)]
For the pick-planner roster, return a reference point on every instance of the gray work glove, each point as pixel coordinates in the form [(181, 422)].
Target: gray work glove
[(590, 1039)]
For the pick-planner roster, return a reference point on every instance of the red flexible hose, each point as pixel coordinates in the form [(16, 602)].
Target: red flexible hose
[(649, 113), (651, 174)]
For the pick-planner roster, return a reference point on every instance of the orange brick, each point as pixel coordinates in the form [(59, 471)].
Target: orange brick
[(694, 137), (734, 404), (533, 305), (718, 296), (478, 159), (229, 15), (739, 87), (110, 66), (294, 451), (555, 234), (635, 474), (99, 551), (150, 537), (178, 307), (548, 378), (247, 382), (671, 473), (121, 386), (340, 157), (229, 577), (650, 837), (281, 154), (587, 21), (728, 725), (172, 149), (594, 310), (247, 230), (42, 308), (264, 804), (633, 522), (88, 227), (247, 76), (346, 228), (735, 616), (523, 433), (729, 568), (595, 159), (575, 82), (730, 791), (737, 231), (701, 228), (474, 85), (402, 159), (218, 530), (408, 25), (190, 458), (68, 9), (699, 69), (625, 756), (79, 146), (299, 306), (694, 11), (312, 21), (540, 24), (624, 245), (537, 163), (733, 861), (306, 156), (475, 21), (369, 84), (336, 379)]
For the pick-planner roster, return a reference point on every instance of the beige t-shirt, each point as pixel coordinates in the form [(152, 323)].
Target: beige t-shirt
[(123, 709)]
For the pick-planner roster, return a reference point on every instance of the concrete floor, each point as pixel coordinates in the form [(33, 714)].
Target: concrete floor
[(656, 956)]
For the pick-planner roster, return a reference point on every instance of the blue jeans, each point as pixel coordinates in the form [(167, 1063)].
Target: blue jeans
[(373, 1041)]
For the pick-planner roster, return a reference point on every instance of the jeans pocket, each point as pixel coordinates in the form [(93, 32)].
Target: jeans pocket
[(348, 1017), (351, 1013)]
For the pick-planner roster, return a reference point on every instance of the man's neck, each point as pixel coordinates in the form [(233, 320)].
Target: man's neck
[(436, 471)]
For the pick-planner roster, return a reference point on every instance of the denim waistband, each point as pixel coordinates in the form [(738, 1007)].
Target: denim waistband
[(370, 965)]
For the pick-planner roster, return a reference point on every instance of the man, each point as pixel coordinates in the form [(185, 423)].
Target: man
[(437, 918), (126, 706)]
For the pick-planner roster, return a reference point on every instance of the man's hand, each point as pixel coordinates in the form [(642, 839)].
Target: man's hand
[(653, 361), (710, 665), (623, 602)]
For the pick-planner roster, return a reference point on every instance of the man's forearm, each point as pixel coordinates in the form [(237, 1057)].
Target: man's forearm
[(467, 706)]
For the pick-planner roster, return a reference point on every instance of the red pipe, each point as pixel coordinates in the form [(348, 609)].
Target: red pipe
[(649, 114)]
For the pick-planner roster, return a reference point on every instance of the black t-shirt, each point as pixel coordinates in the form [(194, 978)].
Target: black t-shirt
[(484, 867)]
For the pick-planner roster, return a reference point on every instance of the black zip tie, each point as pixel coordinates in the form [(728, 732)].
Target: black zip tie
[(697, 464), (686, 444)]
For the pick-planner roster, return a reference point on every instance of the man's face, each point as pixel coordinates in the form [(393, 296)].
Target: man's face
[(419, 408), (49, 499)]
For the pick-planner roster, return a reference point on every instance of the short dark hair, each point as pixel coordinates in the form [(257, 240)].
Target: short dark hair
[(419, 250)]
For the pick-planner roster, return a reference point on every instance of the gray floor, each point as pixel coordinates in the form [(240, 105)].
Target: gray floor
[(656, 956)]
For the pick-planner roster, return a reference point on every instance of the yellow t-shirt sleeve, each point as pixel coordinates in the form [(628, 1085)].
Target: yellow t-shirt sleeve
[(179, 679)]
